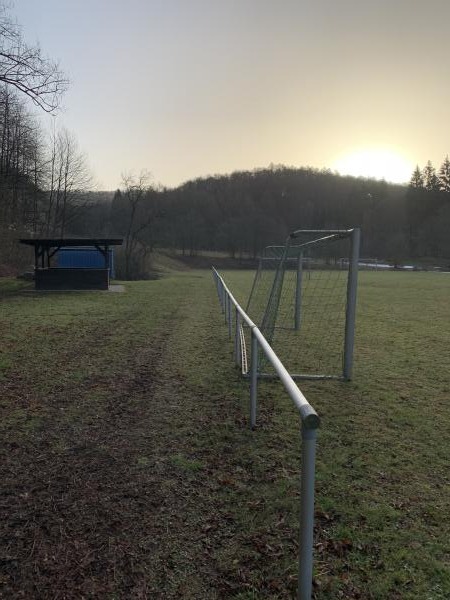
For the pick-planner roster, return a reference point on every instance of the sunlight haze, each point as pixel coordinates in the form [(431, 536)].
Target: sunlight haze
[(191, 88), (377, 163)]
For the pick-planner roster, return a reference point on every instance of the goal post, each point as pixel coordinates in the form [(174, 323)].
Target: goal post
[(298, 291), (350, 316), (303, 299)]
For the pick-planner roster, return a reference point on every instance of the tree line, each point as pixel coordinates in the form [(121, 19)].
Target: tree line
[(44, 178), (245, 211), (428, 211), (242, 212), (239, 213)]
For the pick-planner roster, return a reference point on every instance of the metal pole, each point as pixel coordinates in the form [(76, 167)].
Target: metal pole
[(253, 381), (225, 306), (216, 281), (255, 279), (219, 288), (223, 299), (350, 315), (298, 292), (237, 338), (305, 572), (230, 318)]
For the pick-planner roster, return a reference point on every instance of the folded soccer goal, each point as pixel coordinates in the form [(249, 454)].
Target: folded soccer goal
[(303, 299)]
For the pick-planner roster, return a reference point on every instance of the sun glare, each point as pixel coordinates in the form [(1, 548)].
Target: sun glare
[(376, 163)]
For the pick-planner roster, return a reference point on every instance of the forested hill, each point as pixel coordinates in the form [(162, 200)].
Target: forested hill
[(243, 212)]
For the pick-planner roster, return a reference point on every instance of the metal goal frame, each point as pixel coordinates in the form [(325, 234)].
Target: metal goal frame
[(292, 256)]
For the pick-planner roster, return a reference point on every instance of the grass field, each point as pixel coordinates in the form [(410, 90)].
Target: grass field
[(128, 470)]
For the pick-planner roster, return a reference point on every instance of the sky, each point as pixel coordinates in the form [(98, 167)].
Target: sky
[(190, 88)]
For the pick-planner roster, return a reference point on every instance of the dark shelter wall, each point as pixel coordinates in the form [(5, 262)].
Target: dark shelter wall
[(71, 279)]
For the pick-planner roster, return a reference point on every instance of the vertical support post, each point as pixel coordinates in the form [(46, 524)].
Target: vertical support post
[(219, 290), (225, 306), (237, 338), (350, 314), (298, 292), (220, 286), (107, 265), (230, 317), (253, 381), (305, 572)]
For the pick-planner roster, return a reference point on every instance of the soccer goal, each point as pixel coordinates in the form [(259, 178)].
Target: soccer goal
[(303, 299)]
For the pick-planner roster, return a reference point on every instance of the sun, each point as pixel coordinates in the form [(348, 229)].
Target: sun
[(376, 163)]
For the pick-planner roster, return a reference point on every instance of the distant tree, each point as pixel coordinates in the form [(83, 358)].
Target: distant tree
[(444, 176), (417, 179), (431, 180), (26, 68), (134, 213)]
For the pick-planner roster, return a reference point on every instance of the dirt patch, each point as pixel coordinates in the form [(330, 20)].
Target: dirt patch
[(79, 506)]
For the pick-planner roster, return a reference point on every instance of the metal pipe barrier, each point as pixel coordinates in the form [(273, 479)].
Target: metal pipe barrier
[(309, 418)]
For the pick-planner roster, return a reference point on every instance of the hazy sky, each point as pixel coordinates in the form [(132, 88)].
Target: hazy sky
[(187, 88)]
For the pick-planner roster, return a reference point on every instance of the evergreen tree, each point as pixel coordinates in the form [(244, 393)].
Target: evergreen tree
[(444, 175), (417, 179), (431, 180)]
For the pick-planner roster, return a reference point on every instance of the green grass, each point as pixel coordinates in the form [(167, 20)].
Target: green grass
[(382, 481), (131, 471)]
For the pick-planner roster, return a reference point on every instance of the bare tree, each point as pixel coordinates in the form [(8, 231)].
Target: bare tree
[(134, 212), (69, 181), (27, 69)]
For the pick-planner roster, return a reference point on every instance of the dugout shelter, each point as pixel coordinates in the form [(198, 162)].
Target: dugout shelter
[(48, 276)]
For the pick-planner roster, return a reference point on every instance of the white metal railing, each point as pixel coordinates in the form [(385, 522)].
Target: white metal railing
[(309, 418)]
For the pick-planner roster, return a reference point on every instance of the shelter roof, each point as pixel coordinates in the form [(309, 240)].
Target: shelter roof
[(60, 242)]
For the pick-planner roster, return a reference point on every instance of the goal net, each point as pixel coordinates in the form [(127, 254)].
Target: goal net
[(303, 300)]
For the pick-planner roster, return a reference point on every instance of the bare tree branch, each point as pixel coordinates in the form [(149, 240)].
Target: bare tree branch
[(27, 69)]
